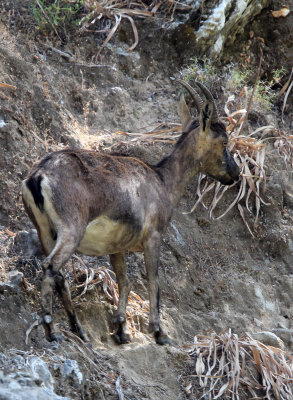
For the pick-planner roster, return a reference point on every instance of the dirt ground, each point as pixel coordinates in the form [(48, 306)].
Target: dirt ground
[(214, 275)]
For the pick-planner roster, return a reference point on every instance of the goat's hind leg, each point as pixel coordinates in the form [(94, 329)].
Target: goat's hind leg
[(122, 334), (63, 290), (47, 289), (54, 279), (152, 256)]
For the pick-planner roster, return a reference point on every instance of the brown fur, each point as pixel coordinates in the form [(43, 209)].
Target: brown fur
[(107, 204)]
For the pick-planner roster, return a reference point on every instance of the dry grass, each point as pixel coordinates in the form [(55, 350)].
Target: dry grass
[(117, 10), (87, 277), (284, 145), (226, 364), (163, 132)]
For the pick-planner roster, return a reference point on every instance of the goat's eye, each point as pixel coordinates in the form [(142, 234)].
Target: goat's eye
[(226, 143)]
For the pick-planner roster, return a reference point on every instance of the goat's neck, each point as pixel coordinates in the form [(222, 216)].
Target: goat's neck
[(180, 167)]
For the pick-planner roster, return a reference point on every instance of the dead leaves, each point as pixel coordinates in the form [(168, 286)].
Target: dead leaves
[(283, 12), (224, 364)]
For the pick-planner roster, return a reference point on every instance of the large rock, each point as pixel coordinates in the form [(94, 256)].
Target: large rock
[(207, 29), (29, 380)]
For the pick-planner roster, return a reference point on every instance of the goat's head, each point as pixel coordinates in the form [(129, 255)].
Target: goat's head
[(214, 156)]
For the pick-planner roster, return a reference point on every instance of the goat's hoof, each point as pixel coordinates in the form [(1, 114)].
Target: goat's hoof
[(55, 337), (83, 335), (162, 338), (119, 319), (122, 338), (80, 332)]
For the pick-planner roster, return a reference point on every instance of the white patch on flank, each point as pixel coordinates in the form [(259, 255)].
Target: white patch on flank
[(42, 217), (103, 236), (48, 204)]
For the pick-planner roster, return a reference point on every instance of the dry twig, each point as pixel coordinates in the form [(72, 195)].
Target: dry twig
[(284, 145)]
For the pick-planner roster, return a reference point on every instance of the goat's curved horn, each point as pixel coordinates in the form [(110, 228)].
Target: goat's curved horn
[(209, 96), (196, 97)]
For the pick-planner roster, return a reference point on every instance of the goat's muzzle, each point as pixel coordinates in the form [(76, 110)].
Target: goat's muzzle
[(232, 170)]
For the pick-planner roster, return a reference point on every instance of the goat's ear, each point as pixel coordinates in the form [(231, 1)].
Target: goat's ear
[(205, 117), (183, 112)]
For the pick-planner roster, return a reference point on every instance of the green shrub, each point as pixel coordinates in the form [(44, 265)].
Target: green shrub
[(58, 16)]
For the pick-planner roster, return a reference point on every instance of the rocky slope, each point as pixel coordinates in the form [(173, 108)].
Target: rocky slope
[(214, 275)]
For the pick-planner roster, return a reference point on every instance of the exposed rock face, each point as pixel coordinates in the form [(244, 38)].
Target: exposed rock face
[(30, 377), (212, 24), (224, 21)]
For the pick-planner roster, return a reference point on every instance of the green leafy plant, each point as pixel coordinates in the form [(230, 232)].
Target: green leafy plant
[(203, 70), (235, 77), (56, 16), (264, 95)]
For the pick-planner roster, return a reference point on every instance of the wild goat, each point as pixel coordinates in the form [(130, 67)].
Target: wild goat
[(98, 204)]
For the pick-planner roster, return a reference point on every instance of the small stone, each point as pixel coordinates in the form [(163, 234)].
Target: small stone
[(27, 243), (286, 335), (15, 277), (269, 339), (258, 323), (70, 367), (8, 288)]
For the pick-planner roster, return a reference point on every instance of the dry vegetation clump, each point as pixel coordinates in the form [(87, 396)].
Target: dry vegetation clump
[(249, 153), (62, 17), (86, 278), (116, 10), (226, 364), (163, 132), (284, 145)]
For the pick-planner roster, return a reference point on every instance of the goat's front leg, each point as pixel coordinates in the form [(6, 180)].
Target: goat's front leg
[(122, 334), (152, 258)]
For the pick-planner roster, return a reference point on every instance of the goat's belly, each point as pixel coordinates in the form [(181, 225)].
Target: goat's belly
[(105, 236)]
